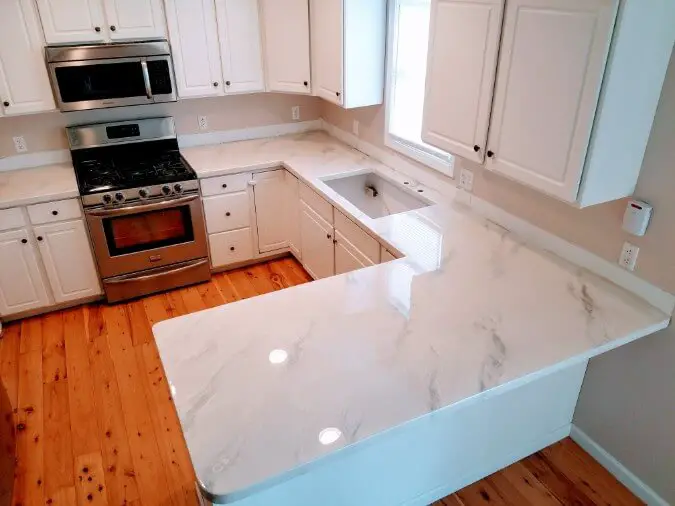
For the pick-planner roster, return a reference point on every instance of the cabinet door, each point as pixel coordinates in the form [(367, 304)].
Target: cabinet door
[(293, 214), (193, 32), (270, 202), (286, 45), (347, 257), (551, 66), (327, 49), (240, 47), (68, 260), (318, 251), (24, 85), (21, 285), (135, 19), (461, 65), (67, 21)]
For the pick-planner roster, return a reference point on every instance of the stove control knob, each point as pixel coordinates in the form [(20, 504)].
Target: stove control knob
[(178, 188), (143, 193), (107, 199), (166, 190), (119, 197)]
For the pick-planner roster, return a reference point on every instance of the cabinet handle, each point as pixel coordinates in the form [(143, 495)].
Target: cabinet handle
[(334, 241), (24, 241), (215, 84), (55, 213), (97, 28), (227, 83), (113, 28), (337, 93), (231, 248), (227, 213), (306, 83), (5, 103), (328, 236), (224, 185), (476, 148), (490, 154), (39, 238)]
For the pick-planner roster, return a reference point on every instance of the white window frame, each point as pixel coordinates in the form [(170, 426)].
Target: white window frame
[(403, 146)]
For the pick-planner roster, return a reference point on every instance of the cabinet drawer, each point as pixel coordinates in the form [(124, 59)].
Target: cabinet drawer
[(231, 247), (11, 218), (320, 205), (227, 212), (54, 211), (225, 184), (359, 239)]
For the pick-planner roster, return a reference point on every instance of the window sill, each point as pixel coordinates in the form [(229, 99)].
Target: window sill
[(419, 155)]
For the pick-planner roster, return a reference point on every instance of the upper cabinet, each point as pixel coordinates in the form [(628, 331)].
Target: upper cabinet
[(73, 21), (285, 27), (348, 51), (24, 85), (240, 45), (545, 91)]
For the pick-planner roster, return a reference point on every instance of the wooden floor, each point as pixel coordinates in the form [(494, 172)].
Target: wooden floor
[(93, 421)]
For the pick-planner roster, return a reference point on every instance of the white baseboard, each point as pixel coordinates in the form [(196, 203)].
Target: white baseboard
[(245, 134), (616, 468), (17, 162)]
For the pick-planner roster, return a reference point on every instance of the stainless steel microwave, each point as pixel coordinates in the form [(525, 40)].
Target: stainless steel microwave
[(111, 75)]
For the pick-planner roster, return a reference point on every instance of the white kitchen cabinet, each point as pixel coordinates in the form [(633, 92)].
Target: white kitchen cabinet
[(68, 260), (347, 257), (316, 236), (230, 247), (285, 27), (73, 21), (227, 212), (193, 32), (270, 208), (22, 287), (24, 84), (551, 66), (293, 214), (135, 19), (462, 61), (240, 46), (348, 51), (386, 256)]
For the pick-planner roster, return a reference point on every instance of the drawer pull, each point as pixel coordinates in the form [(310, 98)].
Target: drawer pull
[(328, 236), (227, 213), (24, 241), (55, 213), (224, 185), (231, 248), (39, 238)]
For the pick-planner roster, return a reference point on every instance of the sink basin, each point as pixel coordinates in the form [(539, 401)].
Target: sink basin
[(376, 196)]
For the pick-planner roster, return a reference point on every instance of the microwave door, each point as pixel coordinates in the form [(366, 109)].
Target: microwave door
[(95, 84)]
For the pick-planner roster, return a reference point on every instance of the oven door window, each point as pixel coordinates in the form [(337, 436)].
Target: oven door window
[(148, 230), (100, 81)]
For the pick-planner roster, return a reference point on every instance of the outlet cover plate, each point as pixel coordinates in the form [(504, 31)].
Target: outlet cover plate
[(20, 144), (629, 254), (203, 122), (295, 112), (466, 180)]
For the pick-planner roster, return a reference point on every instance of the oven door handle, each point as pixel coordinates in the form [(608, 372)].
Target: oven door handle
[(146, 78), (157, 274), (134, 209)]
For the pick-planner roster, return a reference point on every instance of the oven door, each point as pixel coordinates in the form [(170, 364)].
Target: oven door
[(96, 84), (143, 236)]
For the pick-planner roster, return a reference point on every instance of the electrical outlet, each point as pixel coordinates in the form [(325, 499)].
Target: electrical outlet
[(203, 122), (355, 127), (466, 180), (295, 112), (20, 144), (629, 256)]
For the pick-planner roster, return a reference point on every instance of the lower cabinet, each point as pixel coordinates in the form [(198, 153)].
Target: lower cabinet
[(230, 247), (347, 257), (68, 260), (293, 214), (318, 251), (270, 208), (21, 285)]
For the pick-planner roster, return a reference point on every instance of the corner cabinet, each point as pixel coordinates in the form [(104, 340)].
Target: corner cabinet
[(554, 99), (348, 51), (74, 21), (285, 28), (24, 84)]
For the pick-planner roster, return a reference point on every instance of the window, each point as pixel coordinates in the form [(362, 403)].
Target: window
[(406, 73)]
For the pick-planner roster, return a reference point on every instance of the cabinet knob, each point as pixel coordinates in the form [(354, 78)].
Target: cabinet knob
[(328, 236), (334, 241), (24, 241), (227, 213), (5, 103), (113, 28), (337, 93), (306, 83), (55, 213), (476, 148), (231, 248), (224, 185), (97, 28), (215, 84), (227, 83), (39, 238), (490, 154)]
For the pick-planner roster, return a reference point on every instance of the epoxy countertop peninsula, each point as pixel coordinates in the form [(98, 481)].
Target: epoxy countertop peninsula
[(469, 308)]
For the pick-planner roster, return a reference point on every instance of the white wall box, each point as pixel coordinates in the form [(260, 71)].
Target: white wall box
[(240, 46), (568, 116), (348, 51), (285, 27), (24, 85), (22, 287), (73, 21), (193, 32), (68, 260), (271, 199), (316, 236)]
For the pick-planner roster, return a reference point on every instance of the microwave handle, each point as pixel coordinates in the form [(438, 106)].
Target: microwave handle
[(146, 78)]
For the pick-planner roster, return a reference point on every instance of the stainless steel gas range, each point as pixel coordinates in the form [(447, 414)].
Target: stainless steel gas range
[(142, 204)]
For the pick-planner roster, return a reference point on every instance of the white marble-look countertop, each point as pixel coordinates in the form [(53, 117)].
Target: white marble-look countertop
[(40, 184), (471, 307)]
